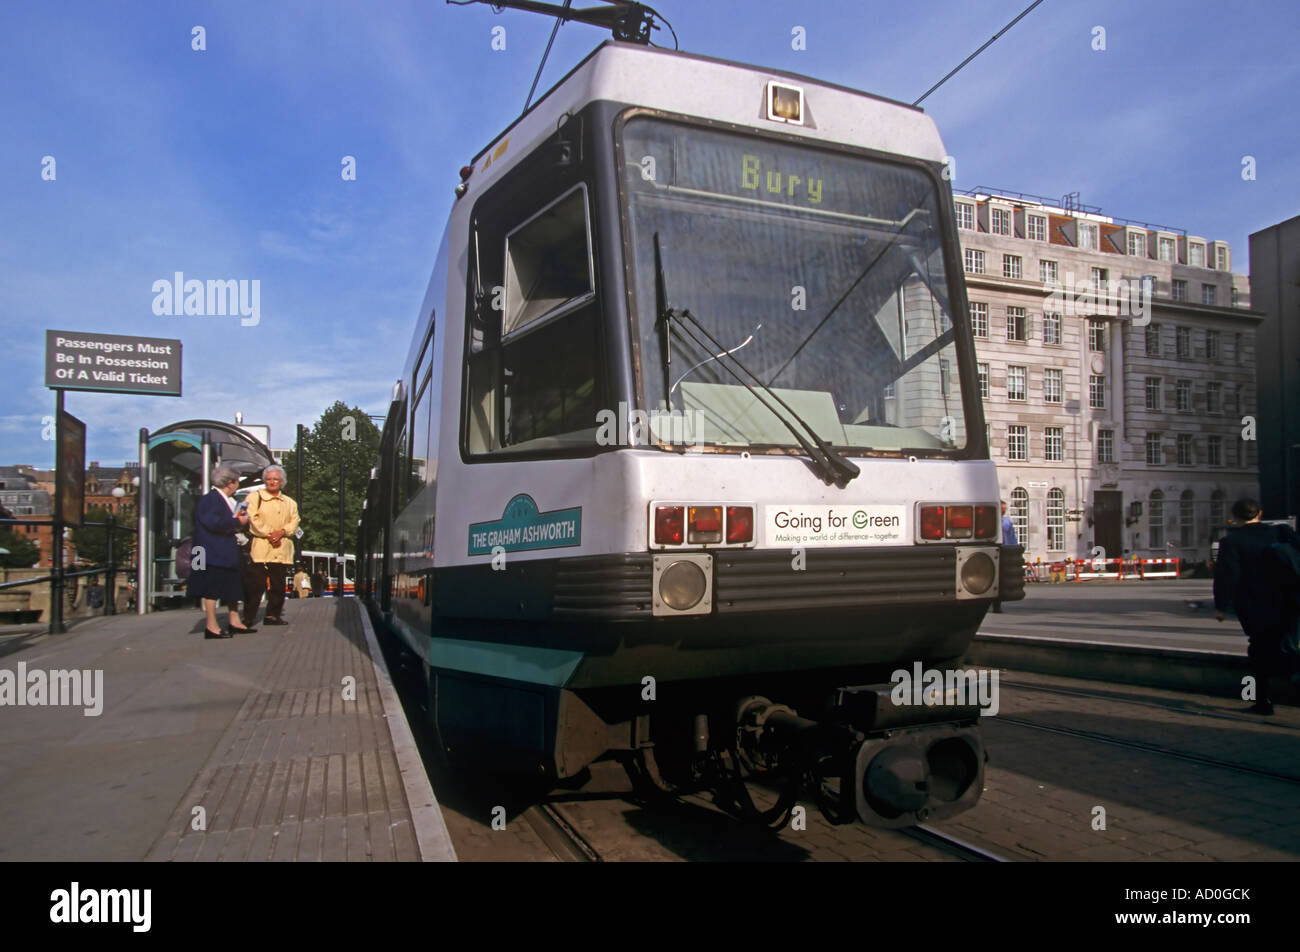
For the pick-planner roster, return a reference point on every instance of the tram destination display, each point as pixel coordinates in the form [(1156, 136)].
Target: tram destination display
[(111, 363)]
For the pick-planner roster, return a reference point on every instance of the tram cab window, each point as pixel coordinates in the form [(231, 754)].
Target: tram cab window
[(535, 381)]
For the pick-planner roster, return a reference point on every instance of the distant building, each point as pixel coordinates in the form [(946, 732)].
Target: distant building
[(1107, 431), (21, 496), (1275, 289)]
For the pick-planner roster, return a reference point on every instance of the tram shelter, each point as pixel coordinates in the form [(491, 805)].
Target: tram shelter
[(176, 465)]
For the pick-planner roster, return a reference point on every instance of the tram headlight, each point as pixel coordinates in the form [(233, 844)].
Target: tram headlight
[(978, 573), (683, 584)]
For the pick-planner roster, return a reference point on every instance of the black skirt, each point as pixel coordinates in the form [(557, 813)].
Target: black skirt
[(217, 581)]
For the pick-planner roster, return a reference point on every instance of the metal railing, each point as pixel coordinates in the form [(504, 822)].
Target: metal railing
[(57, 577)]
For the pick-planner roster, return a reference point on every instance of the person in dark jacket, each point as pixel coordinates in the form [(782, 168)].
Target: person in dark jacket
[(1246, 581), (221, 576)]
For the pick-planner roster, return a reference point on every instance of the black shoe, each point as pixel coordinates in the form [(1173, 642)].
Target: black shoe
[(209, 633), (247, 630), (273, 621), (1261, 707)]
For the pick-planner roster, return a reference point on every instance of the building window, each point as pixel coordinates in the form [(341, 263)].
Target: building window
[(1196, 254), (1209, 294), (1099, 278), (1214, 451), (1153, 340), (1234, 451), (1166, 248), (1017, 443), (1153, 393), (1087, 235), (1221, 258), (1183, 390), (984, 380), (1137, 244), (1178, 289), (1053, 385), (1212, 345), (1097, 391), (1051, 328), (974, 260), (1096, 334), (1218, 512), (1053, 444), (1056, 520), (1238, 349), (979, 319), (1155, 457), (889, 393), (1047, 272), (1185, 454), (1000, 221), (1016, 324), (1183, 342), (1187, 519), (1019, 513), (1013, 266), (1105, 446), (1213, 397), (1156, 519), (1016, 382), (965, 216), (1036, 227), (1236, 398)]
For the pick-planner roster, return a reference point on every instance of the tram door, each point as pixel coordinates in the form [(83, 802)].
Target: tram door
[(1108, 522)]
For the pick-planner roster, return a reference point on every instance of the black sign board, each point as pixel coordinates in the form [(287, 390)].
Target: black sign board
[(79, 360)]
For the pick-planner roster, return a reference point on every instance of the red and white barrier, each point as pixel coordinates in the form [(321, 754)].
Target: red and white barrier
[(1085, 569), (1160, 568)]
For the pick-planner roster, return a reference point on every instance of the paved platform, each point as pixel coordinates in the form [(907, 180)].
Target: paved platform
[(257, 747)]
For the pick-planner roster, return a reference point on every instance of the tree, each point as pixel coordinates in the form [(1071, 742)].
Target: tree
[(342, 433), (23, 552), (91, 542)]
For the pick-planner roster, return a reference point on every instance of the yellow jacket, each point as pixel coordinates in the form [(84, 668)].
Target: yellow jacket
[(267, 513)]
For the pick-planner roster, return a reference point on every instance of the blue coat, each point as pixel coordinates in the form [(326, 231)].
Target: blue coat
[(215, 528)]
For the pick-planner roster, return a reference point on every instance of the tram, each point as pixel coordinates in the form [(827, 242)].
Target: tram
[(687, 459)]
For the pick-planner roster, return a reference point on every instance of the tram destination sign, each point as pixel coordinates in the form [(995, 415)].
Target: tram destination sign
[(112, 363)]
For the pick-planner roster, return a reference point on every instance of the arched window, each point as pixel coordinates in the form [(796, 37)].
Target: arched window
[(1056, 520), (1218, 512), (1156, 520), (1187, 519), (1019, 513)]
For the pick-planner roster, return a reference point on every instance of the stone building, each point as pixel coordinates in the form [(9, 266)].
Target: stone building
[(1114, 405)]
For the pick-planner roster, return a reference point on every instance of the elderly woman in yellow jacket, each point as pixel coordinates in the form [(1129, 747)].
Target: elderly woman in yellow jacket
[(273, 520)]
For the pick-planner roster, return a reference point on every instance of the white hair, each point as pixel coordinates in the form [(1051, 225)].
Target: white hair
[(223, 475), (276, 468)]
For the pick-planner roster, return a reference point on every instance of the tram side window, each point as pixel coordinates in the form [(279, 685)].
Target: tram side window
[(535, 380)]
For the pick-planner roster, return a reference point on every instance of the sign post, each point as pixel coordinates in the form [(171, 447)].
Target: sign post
[(103, 363)]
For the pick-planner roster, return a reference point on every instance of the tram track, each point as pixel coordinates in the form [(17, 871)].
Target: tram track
[(1129, 744), (560, 835), (955, 845)]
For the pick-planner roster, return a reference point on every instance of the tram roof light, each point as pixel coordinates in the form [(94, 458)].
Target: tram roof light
[(784, 103)]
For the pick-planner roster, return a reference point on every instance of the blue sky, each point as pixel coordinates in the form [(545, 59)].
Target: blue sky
[(226, 163)]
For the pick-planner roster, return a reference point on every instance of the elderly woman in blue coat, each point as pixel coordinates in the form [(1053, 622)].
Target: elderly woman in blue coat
[(220, 577)]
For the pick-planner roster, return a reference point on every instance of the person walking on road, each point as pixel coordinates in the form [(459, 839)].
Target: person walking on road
[(273, 516), (1248, 579), (1008, 538), (214, 535)]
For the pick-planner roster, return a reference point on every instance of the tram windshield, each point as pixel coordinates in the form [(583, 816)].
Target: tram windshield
[(821, 273)]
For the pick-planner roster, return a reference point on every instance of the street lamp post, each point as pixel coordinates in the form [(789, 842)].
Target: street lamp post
[(342, 561)]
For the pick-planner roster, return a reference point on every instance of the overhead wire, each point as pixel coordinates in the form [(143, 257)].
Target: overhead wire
[(953, 72)]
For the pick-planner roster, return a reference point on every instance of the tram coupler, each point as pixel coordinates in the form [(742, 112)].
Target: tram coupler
[(905, 764)]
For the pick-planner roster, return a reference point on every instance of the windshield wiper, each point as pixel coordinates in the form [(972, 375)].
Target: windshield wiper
[(833, 468)]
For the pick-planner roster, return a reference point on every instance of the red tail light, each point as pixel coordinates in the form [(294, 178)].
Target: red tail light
[(740, 524), (932, 522), (960, 521), (986, 522), (670, 525), (704, 524)]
